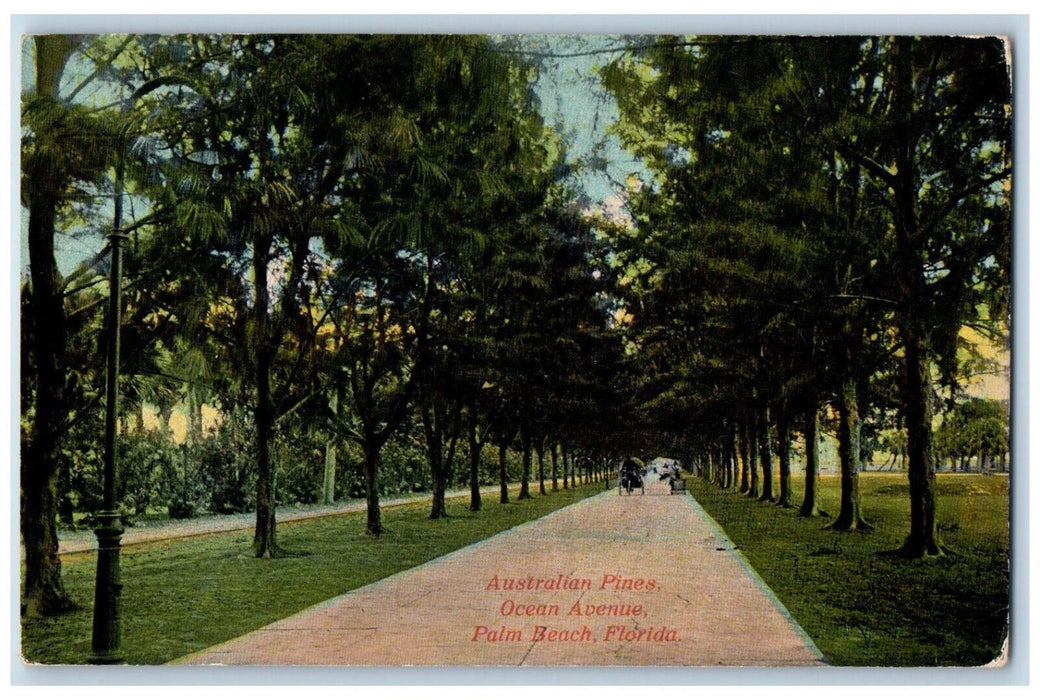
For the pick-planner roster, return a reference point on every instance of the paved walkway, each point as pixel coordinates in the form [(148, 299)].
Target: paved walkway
[(84, 540), (614, 580)]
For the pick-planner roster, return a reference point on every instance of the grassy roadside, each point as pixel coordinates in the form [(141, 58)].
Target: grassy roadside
[(185, 595), (863, 609)]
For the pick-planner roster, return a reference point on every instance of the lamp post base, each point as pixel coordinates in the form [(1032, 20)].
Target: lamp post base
[(107, 589)]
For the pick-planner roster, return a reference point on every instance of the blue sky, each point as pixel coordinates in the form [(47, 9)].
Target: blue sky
[(571, 97)]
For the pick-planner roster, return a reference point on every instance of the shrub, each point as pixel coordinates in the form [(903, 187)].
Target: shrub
[(225, 465), (150, 467)]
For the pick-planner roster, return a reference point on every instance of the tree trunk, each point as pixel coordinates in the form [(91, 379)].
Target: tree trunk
[(525, 475), (44, 593), (563, 459), (540, 452), (453, 415), (911, 322), (438, 507), (435, 450), (752, 433), (555, 467), (742, 446), (503, 480), (194, 418), (264, 345), (374, 522), (731, 457), (810, 503), (475, 502), (193, 442), (264, 544), (783, 448), (328, 483), (849, 517), (923, 539), (765, 455)]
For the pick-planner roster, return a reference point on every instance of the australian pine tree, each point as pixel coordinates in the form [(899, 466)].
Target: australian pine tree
[(54, 157)]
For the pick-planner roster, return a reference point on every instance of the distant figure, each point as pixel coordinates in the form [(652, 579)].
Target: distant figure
[(632, 471)]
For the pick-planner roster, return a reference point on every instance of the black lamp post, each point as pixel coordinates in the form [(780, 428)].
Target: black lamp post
[(109, 528)]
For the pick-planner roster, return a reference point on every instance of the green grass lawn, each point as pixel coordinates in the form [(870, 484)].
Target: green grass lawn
[(185, 595), (863, 609)]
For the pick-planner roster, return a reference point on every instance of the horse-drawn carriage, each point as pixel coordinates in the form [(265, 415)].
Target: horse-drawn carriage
[(630, 476), (672, 473)]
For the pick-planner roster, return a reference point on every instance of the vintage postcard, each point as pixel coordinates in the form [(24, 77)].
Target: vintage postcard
[(441, 349)]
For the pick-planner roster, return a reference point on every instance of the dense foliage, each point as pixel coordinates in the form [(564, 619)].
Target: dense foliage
[(826, 226)]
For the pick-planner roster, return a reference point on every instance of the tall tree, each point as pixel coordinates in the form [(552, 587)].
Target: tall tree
[(271, 182), (938, 148), (62, 148)]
